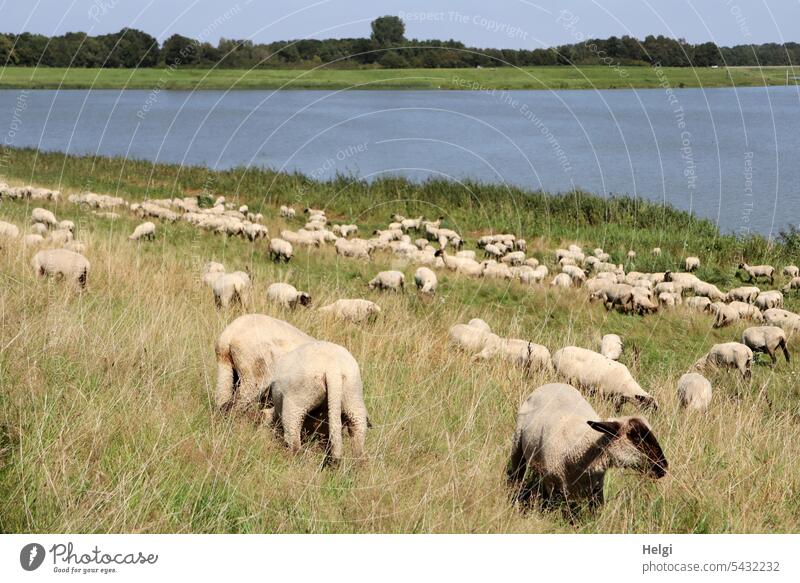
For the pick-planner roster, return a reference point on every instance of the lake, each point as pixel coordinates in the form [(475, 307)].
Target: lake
[(729, 155)]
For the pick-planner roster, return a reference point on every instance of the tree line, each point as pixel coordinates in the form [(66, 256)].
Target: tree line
[(387, 47)]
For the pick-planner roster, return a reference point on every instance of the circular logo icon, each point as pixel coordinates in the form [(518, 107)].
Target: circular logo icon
[(31, 556)]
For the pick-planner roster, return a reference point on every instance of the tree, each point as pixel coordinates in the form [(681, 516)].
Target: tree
[(179, 50), (388, 31)]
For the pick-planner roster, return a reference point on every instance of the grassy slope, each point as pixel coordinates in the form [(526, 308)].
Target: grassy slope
[(105, 398), (597, 77)]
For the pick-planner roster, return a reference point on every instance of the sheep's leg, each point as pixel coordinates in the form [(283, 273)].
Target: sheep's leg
[(249, 392), (224, 392), (333, 384), (357, 425), (785, 349), (517, 464), (292, 417)]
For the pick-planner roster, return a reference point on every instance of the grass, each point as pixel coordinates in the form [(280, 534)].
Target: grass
[(584, 77), (106, 396)]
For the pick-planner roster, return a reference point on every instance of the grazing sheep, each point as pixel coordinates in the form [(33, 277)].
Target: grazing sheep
[(356, 310), (471, 338), (246, 351), (144, 231), (766, 339), (44, 216), (709, 290), (700, 303), (33, 240), (613, 295), (60, 237), (287, 295), (611, 346), (522, 353), (724, 315), (691, 263), (788, 321), (67, 226), (8, 230), (231, 288), (388, 281), (72, 266), (425, 280), (354, 248), (39, 229), (460, 265), (254, 231), (288, 212), (641, 303), (567, 448), (562, 280), (746, 294), (514, 258), (792, 285), (769, 299), (728, 354), (480, 324), (211, 272), (631, 255), (280, 249), (747, 311), (595, 372), (756, 271), (669, 299), (656, 251), (314, 375), (76, 246), (694, 391), (791, 271)]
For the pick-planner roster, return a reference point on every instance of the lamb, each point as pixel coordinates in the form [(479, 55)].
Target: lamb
[(356, 310), (728, 354), (791, 271), (388, 281), (320, 375), (769, 299), (746, 294), (631, 255), (522, 353), (280, 249), (231, 288), (144, 231), (44, 216), (656, 251), (425, 280), (611, 346), (691, 263), (72, 266), (597, 373), (568, 449), (766, 339), (246, 352), (788, 321), (756, 271), (694, 391), (287, 295)]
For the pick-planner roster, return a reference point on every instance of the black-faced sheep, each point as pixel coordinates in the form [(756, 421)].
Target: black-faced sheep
[(522, 353), (231, 288), (425, 280), (388, 281), (279, 249), (694, 392), (767, 340), (566, 449), (755, 271), (144, 231), (316, 375), (72, 266), (691, 263), (44, 216), (287, 295)]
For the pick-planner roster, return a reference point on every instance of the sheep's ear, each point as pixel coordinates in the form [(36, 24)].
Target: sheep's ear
[(608, 427)]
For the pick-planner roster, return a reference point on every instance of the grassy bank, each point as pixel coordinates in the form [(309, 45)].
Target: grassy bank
[(588, 77), (106, 397)]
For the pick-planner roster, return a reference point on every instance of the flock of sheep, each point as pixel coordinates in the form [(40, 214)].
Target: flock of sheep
[(269, 370)]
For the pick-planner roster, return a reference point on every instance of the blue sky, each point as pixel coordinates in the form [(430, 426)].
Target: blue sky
[(498, 23)]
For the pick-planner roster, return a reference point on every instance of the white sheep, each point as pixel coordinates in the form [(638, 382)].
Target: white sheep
[(724, 315), (8, 230), (656, 251), (470, 338), (728, 354), (747, 311), (611, 346), (460, 265), (280, 249), (287, 295), (756, 271), (694, 391), (595, 372), (425, 280), (522, 353), (388, 280), (700, 303), (246, 352), (33, 240), (354, 248), (44, 216), (320, 375), (66, 226), (72, 266), (288, 212), (76, 246), (791, 271), (353, 310), (231, 288), (769, 299), (746, 294), (39, 229), (561, 442), (793, 284), (709, 290), (144, 231), (211, 272), (766, 339), (788, 321), (562, 280), (691, 263)]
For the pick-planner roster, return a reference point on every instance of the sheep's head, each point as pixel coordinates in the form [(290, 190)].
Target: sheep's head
[(304, 299), (633, 445)]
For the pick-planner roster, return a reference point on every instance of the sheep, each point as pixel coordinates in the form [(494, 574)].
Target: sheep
[(388, 281), (522, 353), (521, 245), (353, 310), (792, 285), (747, 311), (691, 263), (354, 248), (562, 280), (755, 271), (8, 230), (769, 299), (656, 251), (746, 294), (611, 346), (470, 338), (694, 391), (709, 290), (300, 239), (788, 321), (791, 271), (576, 273), (287, 295), (700, 303), (724, 315), (287, 212), (44, 216), (641, 303), (600, 374), (39, 229), (494, 270), (33, 240), (246, 352), (568, 449), (728, 354), (669, 299), (67, 226), (76, 246), (514, 258), (479, 324), (144, 231), (631, 255), (613, 295), (231, 288), (319, 375), (60, 237), (425, 280), (766, 339), (211, 272), (254, 231), (411, 224), (62, 263), (668, 287), (280, 249), (460, 265)]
